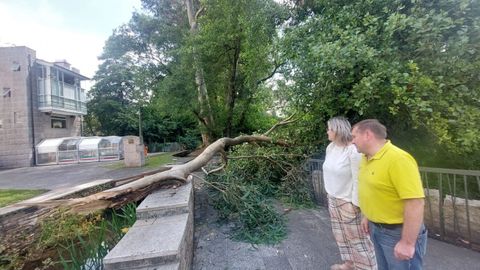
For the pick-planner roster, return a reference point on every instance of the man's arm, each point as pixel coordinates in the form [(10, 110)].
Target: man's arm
[(412, 220)]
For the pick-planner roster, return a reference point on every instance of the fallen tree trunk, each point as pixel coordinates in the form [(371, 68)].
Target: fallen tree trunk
[(134, 191)]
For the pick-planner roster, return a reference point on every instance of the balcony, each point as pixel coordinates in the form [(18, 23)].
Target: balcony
[(61, 105), (66, 99)]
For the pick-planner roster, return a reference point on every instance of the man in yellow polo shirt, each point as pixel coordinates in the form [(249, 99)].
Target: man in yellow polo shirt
[(391, 198)]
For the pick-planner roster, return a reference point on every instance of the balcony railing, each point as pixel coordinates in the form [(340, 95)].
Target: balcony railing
[(65, 97), (452, 202), (53, 102)]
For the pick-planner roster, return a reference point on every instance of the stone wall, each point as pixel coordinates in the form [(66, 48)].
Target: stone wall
[(455, 216), (162, 236), (15, 134)]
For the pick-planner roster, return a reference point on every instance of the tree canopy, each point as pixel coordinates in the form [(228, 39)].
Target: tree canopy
[(411, 64)]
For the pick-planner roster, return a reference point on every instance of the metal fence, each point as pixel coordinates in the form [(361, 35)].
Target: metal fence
[(452, 203)]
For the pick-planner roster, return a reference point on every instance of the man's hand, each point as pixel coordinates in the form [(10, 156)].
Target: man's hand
[(364, 225), (412, 222), (404, 251)]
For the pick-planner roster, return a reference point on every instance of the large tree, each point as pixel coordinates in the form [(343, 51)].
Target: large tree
[(207, 60), (412, 64)]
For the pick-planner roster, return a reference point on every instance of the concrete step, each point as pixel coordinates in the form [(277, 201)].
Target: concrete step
[(167, 202), (158, 243)]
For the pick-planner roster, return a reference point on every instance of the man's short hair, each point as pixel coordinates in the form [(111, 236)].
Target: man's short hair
[(379, 130)]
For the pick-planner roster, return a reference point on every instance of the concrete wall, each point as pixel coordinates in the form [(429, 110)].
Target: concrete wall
[(44, 130), (15, 133), (162, 236)]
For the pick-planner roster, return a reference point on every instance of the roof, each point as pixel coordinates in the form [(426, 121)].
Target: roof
[(64, 69), (49, 145), (89, 143)]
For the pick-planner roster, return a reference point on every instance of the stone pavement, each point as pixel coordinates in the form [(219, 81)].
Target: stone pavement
[(62, 176), (309, 245)]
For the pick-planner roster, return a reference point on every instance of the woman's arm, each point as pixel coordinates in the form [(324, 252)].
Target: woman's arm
[(355, 158)]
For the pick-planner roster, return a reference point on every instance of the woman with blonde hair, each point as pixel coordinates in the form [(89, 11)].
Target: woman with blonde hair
[(340, 171)]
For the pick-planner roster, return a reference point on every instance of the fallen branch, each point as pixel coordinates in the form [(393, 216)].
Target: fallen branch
[(286, 121), (134, 191)]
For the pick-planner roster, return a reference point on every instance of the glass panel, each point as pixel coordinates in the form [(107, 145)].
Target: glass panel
[(58, 122), (47, 158)]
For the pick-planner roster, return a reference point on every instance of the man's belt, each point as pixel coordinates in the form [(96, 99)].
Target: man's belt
[(388, 226)]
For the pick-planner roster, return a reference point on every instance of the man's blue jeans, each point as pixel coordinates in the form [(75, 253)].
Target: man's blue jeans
[(384, 241)]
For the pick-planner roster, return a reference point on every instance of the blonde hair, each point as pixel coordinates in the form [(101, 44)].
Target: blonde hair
[(342, 129)]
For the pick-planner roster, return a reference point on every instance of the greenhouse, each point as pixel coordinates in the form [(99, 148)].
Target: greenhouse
[(111, 148), (68, 151), (88, 149), (79, 149), (47, 151)]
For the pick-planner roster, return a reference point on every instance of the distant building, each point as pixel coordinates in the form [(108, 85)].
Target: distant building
[(38, 100)]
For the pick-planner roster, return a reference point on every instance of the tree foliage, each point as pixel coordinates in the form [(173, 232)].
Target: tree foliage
[(149, 65), (244, 193), (411, 64)]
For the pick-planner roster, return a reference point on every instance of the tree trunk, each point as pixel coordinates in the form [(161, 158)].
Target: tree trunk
[(134, 191), (232, 89), (205, 108)]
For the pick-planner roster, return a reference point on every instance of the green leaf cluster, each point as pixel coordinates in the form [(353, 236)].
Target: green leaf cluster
[(411, 64), (244, 194)]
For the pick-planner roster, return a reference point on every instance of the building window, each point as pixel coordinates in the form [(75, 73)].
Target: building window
[(15, 66), (7, 92), (59, 122), (1, 123)]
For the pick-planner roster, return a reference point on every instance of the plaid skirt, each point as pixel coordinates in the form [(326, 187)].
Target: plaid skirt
[(353, 243)]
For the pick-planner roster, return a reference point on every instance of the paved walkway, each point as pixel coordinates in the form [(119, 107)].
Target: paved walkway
[(309, 245), (70, 175)]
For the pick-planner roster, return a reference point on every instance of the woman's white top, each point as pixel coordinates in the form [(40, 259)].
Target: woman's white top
[(340, 172)]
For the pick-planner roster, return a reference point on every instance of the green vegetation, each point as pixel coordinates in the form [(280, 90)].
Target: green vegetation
[(72, 241), (158, 160), (151, 162), (11, 196), (245, 193), (411, 64), (92, 241), (149, 66), (453, 185)]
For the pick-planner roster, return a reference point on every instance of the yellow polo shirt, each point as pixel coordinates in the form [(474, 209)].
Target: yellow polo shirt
[(384, 181)]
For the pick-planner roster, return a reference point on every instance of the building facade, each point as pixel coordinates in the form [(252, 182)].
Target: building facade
[(39, 100)]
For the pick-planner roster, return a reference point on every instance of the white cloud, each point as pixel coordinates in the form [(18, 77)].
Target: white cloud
[(40, 26), (50, 43)]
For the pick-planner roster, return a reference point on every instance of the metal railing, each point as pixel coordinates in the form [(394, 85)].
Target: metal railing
[(58, 102), (452, 208), (452, 202)]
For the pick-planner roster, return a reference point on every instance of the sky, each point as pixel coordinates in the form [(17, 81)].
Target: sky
[(74, 30)]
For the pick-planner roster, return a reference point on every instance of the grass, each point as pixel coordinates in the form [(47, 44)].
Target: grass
[(158, 160), (86, 249), (10, 196), (150, 162)]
